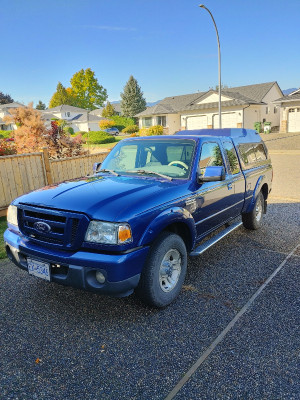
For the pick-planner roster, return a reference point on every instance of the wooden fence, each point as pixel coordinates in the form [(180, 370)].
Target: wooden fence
[(23, 173)]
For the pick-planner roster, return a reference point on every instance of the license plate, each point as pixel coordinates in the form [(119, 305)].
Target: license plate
[(39, 268)]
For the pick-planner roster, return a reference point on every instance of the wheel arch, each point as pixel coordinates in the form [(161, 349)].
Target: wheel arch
[(176, 220)]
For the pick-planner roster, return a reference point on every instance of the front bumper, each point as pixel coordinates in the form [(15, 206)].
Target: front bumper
[(78, 269)]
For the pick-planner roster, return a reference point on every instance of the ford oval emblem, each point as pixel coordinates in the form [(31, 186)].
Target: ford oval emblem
[(42, 227)]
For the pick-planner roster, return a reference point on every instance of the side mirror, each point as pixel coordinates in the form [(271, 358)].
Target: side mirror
[(211, 174), (96, 167)]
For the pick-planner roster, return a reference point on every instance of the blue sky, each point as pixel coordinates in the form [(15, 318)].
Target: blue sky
[(169, 46)]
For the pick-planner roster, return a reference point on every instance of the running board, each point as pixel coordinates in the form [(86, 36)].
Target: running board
[(203, 247)]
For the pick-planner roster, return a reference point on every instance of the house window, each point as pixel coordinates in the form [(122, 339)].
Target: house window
[(147, 121), (67, 114), (275, 110), (162, 120), (267, 110)]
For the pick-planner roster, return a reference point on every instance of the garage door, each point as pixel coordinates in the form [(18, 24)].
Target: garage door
[(294, 120), (229, 120), (197, 122)]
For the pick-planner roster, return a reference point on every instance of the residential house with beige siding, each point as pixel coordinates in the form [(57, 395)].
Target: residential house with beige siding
[(241, 107)]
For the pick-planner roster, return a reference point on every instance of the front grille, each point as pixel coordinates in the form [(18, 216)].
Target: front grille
[(52, 227)]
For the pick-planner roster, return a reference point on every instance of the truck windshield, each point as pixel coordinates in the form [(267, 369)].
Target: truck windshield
[(154, 157)]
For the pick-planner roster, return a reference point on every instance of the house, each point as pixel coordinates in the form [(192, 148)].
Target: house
[(241, 107), (98, 111), (77, 118), (4, 111), (289, 112)]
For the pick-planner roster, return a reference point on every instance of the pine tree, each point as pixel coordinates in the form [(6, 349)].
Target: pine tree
[(132, 101), (108, 110), (5, 98), (40, 105)]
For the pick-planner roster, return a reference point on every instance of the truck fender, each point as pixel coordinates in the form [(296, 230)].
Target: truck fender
[(166, 218), (256, 190)]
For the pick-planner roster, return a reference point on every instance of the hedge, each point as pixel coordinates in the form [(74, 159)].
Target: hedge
[(98, 137)]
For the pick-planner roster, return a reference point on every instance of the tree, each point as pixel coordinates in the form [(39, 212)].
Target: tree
[(40, 105), (31, 134), (89, 93), (132, 101), (5, 98), (108, 110), (59, 97)]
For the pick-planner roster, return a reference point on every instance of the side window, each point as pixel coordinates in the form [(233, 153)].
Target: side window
[(260, 152), (252, 153), (232, 157), (247, 152), (211, 156)]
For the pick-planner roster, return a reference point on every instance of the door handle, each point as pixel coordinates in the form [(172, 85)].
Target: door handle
[(229, 186)]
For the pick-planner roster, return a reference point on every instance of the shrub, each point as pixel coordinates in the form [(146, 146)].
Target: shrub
[(7, 148), (152, 130), (134, 135), (122, 122), (131, 129), (98, 137), (69, 130), (106, 123), (5, 134)]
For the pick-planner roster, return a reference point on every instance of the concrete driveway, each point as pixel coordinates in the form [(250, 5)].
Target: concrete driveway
[(233, 333)]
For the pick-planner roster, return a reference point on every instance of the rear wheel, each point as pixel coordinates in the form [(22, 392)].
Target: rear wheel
[(253, 219), (164, 271)]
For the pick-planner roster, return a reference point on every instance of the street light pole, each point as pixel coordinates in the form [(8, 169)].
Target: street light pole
[(219, 58)]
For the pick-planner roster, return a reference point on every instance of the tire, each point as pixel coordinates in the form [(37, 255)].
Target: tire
[(164, 271), (253, 219)]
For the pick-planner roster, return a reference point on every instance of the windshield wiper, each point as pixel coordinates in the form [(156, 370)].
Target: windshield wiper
[(143, 171), (110, 171)]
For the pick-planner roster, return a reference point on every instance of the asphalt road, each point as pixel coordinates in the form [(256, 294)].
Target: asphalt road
[(62, 343)]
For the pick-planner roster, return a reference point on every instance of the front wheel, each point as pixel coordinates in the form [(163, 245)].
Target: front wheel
[(253, 219), (164, 271)]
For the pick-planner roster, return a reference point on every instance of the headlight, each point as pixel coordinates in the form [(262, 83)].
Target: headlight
[(12, 215), (108, 233)]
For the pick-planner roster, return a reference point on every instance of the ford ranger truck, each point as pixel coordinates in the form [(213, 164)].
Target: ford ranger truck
[(153, 201)]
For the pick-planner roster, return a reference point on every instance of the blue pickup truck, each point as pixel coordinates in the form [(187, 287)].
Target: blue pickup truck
[(151, 203)]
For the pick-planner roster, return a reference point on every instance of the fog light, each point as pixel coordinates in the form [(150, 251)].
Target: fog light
[(100, 277)]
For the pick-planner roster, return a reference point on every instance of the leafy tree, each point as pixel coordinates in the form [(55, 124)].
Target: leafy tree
[(122, 122), (108, 110), (41, 105), (31, 134), (5, 98), (89, 93), (132, 101), (106, 123), (59, 97)]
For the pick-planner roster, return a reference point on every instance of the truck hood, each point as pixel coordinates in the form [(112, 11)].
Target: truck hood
[(101, 197)]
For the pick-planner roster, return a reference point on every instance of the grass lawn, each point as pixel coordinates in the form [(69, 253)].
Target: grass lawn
[(3, 226), (94, 148)]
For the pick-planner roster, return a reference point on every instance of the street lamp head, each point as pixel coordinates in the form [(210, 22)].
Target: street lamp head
[(202, 5)]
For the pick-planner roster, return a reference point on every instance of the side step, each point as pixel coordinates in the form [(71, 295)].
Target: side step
[(206, 245)]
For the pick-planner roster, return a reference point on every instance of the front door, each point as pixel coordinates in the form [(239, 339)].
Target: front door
[(214, 199)]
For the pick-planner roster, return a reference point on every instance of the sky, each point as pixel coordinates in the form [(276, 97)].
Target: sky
[(169, 46)]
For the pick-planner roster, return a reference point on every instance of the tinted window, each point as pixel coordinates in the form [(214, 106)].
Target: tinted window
[(260, 152), (232, 157), (210, 156), (252, 153), (247, 153)]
